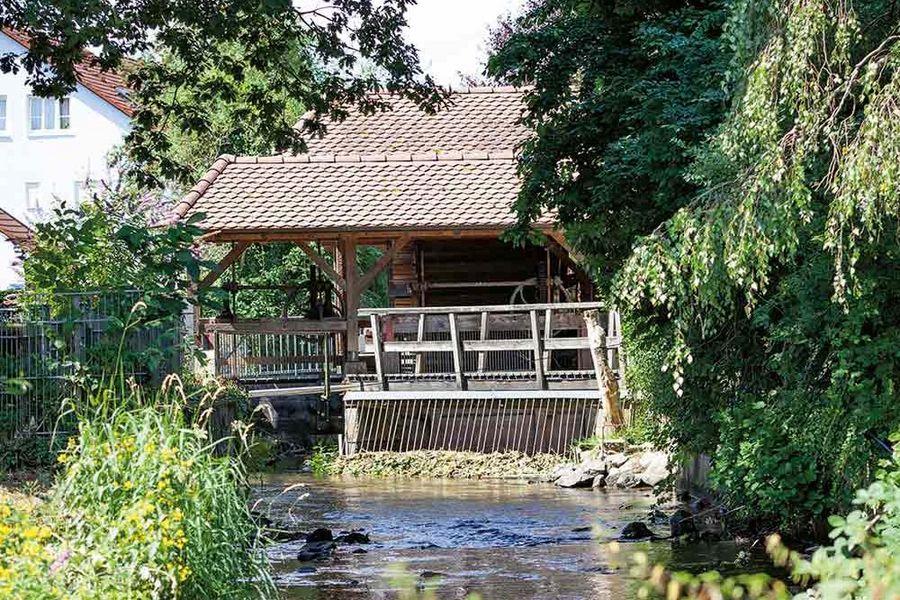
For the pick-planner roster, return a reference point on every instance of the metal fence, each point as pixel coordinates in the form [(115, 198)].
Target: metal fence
[(49, 342)]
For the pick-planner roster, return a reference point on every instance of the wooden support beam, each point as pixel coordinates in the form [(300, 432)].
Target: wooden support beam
[(320, 262), (458, 355), (369, 278), (351, 295), (539, 374), (226, 262)]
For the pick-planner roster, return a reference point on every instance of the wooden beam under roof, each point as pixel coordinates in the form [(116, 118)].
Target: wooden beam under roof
[(320, 262), (386, 259), (228, 260)]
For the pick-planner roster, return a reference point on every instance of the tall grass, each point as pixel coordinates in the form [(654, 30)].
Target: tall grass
[(143, 508)]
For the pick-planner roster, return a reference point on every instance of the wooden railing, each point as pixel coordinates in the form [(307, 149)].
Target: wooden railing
[(542, 339), (291, 349)]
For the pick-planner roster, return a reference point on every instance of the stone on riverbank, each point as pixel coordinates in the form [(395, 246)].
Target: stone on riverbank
[(636, 466)]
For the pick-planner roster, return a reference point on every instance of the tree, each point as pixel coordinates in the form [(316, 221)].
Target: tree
[(732, 169), (256, 56), (623, 93)]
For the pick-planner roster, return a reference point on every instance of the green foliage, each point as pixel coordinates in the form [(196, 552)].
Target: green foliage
[(256, 61), (323, 460), (623, 93), (143, 509), (732, 169), (862, 561)]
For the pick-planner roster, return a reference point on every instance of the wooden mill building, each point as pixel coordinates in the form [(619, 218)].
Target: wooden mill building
[(471, 318)]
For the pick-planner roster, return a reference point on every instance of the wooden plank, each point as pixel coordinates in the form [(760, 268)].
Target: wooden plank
[(540, 380), (412, 347), (458, 365), (379, 350), (548, 335), (424, 346), (307, 390), (420, 337), (275, 326), (320, 262), (369, 278), (223, 264), (493, 308), (408, 323), (579, 343), (483, 335)]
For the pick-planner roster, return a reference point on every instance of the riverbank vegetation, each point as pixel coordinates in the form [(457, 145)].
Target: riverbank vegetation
[(861, 561), (143, 507), (445, 465), (730, 171)]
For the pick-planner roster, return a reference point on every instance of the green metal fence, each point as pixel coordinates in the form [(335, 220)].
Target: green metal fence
[(50, 343)]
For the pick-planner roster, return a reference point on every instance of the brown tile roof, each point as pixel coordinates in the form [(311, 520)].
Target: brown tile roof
[(13, 229), (108, 85), (400, 170), (484, 119), (324, 193)]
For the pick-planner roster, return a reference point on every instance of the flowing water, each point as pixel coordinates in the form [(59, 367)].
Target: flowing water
[(504, 540)]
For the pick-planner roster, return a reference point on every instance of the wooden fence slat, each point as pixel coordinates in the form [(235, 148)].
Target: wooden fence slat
[(379, 350), (539, 376), (458, 365)]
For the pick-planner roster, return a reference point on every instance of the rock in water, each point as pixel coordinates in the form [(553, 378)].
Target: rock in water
[(599, 482), (681, 523), (315, 551), (354, 537), (636, 531), (320, 535), (576, 478)]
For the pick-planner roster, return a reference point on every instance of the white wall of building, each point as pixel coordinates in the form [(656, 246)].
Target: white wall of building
[(41, 168)]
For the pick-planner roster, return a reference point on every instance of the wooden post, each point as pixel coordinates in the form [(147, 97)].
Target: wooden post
[(351, 302), (379, 351), (351, 429), (548, 333), (606, 380), (420, 337), (539, 376), (482, 356), (458, 365)]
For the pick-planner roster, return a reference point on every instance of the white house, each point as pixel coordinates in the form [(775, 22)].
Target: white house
[(49, 148)]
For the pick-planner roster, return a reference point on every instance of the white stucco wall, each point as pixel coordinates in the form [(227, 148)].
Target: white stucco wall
[(55, 161)]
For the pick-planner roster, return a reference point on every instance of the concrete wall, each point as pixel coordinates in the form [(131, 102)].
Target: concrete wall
[(56, 162)]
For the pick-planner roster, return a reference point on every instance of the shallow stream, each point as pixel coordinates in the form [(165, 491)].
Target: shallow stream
[(504, 540)]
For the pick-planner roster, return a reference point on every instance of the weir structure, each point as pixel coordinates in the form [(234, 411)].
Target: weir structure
[(472, 343)]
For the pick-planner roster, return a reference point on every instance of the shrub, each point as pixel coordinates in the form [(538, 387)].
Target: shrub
[(142, 509), (863, 561)]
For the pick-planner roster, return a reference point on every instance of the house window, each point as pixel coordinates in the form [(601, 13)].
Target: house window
[(33, 196), (64, 117), (49, 113), (2, 113)]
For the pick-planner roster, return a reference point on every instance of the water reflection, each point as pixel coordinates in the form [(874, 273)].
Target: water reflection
[(504, 540)]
